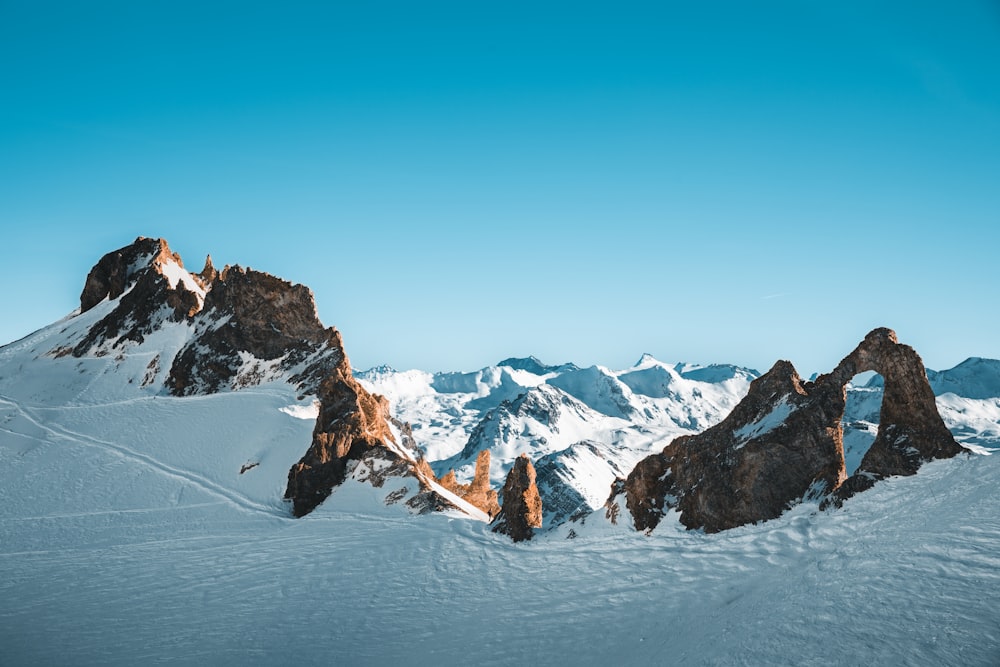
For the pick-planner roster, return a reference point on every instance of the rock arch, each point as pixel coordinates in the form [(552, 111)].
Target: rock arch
[(784, 442), (911, 431)]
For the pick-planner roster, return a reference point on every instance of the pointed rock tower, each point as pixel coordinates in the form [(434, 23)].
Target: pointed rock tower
[(521, 511), (478, 492)]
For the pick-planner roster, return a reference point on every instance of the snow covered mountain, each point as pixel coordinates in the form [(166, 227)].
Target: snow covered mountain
[(585, 426), (145, 448)]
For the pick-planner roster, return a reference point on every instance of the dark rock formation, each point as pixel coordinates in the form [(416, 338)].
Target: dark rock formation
[(208, 274), (248, 311), (521, 511), (478, 492), (784, 442), (911, 431), (350, 423), (134, 273), (246, 326), (114, 272), (352, 436)]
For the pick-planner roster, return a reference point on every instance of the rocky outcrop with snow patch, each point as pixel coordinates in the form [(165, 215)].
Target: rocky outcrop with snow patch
[(784, 442), (151, 286), (351, 425), (911, 431), (254, 327), (234, 328), (355, 436)]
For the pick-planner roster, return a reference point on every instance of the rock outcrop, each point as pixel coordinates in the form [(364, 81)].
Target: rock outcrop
[(911, 431), (353, 437), (351, 422), (784, 442), (478, 492), (238, 327), (252, 325), (208, 273), (244, 327), (521, 511), (140, 275)]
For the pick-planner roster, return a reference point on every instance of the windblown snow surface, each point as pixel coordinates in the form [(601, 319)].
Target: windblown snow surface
[(138, 528)]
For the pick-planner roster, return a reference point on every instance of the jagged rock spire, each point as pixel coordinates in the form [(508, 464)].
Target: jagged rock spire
[(521, 511), (208, 274), (350, 422)]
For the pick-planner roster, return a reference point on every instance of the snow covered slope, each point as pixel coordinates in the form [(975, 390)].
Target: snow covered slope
[(139, 527), (115, 556)]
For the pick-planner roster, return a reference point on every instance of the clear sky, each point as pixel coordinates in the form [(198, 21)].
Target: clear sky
[(459, 182)]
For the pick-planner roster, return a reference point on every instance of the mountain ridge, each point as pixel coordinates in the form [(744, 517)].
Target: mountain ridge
[(188, 334)]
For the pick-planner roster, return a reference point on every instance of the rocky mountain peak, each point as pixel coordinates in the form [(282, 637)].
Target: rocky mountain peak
[(151, 287), (233, 328), (253, 324), (116, 271)]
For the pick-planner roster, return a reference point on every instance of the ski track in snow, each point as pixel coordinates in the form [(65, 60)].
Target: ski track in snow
[(186, 476)]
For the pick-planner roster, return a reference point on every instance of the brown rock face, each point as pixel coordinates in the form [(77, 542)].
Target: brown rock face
[(351, 422), (911, 431), (784, 442), (114, 272), (135, 272), (478, 492), (208, 273), (248, 311), (521, 511), (352, 437), (246, 326)]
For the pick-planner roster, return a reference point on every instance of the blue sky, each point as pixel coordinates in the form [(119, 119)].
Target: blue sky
[(461, 182)]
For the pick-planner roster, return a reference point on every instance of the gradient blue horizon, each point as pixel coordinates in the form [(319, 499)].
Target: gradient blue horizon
[(462, 182)]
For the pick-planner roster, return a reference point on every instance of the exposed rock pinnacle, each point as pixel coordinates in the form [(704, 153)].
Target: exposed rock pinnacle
[(521, 511)]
